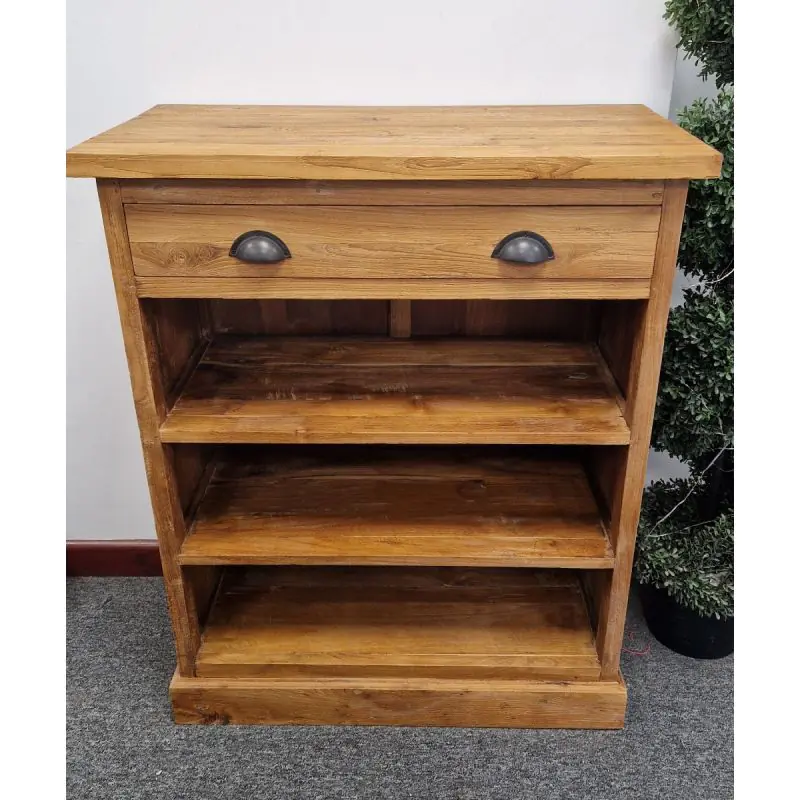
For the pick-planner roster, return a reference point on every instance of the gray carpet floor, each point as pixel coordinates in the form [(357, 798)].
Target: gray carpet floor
[(121, 742)]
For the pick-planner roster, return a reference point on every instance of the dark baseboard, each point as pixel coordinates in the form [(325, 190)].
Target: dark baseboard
[(113, 557)]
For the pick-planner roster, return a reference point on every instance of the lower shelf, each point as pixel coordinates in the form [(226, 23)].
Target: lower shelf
[(445, 623), (487, 703)]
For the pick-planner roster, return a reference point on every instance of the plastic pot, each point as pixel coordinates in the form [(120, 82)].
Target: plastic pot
[(682, 629)]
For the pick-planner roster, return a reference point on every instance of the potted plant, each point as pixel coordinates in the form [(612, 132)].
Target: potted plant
[(684, 559)]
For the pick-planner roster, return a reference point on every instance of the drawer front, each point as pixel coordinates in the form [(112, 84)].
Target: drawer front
[(394, 242)]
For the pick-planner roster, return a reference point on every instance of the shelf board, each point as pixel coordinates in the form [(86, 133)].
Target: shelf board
[(307, 390), (361, 622), (406, 506)]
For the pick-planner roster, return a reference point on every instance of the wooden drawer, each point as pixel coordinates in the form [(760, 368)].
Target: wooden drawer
[(589, 242)]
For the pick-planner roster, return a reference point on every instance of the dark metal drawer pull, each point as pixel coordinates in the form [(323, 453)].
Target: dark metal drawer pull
[(524, 247), (259, 247)]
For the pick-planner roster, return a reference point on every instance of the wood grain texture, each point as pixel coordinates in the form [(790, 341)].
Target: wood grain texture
[(590, 242), (617, 336), (395, 193), (385, 289), (400, 319), (641, 393), (423, 702), (191, 467), (447, 623), (301, 317), (398, 507), (554, 320), (393, 391), (601, 142), (150, 401), (180, 337), (561, 320)]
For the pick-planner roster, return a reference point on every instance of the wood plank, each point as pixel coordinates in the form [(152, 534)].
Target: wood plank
[(617, 334), (310, 352), (455, 424), (301, 317), (597, 142), (386, 288), (406, 507), (590, 242), (395, 392), (641, 390), (179, 337), (191, 466), (184, 599), (400, 319), (445, 623), (424, 702), (394, 193), (557, 320)]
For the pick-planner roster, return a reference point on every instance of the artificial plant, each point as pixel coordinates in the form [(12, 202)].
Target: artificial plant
[(685, 542)]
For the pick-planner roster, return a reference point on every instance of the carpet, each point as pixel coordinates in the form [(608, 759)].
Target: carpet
[(121, 742)]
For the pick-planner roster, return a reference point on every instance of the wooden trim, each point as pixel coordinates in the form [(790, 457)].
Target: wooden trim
[(389, 288), (135, 558), (391, 193), (407, 701), (639, 409)]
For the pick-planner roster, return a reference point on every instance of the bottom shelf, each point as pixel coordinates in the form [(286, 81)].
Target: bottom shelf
[(408, 623)]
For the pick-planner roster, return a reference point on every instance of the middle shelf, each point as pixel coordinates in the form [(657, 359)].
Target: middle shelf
[(347, 505), (271, 390)]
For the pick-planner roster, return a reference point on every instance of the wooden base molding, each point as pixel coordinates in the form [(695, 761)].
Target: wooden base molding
[(135, 558), (414, 702)]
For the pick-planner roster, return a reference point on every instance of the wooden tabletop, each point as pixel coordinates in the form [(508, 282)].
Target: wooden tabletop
[(597, 142)]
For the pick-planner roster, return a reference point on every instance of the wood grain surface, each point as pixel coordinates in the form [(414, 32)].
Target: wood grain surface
[(186, 598), (641, 391), (395, 193), (589, 242), (388, 288), (394, 391), (396, 143), (483, 703), (351, 621), (407, 506)]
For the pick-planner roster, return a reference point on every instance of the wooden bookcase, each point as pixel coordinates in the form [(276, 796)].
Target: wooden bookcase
[(396, 478)]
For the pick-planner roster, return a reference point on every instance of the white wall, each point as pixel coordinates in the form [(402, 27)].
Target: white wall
[(124, 57)]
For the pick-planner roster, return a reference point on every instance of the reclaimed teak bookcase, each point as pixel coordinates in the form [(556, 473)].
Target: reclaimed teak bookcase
[(394, 371)]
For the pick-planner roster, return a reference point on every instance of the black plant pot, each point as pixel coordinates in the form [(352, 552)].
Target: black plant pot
[(683, 630)]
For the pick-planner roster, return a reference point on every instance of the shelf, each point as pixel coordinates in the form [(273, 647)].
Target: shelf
[(335, 622), (399, 506), (394, 391)]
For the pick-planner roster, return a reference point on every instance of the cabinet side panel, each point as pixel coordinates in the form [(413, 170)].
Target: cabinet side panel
[(181, 333), (619, 322), (150, 400), (645, 366)]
